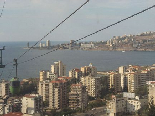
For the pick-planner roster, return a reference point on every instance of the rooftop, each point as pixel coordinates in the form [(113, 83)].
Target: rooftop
[(14, 114)]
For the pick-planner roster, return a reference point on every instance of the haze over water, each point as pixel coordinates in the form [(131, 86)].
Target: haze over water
[(103, 60)]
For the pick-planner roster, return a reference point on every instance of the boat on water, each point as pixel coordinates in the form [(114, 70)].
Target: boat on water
[(123, 51)]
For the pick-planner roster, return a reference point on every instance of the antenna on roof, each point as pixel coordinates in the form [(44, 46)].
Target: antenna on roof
[(1, 64)]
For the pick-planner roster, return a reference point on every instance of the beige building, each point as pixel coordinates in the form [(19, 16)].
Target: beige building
[(47, 75), (58, 94), (43, 89), (130, 78), (4, 88), (89, 70), (31, 104), (138, 79), (78, 97), (58, 68), (93, 85), (75, 73)]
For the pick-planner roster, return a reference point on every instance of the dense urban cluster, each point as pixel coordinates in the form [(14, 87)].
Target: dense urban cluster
[(128, 90)]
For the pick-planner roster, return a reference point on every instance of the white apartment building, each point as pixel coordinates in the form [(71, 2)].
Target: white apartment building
[(58, 68), (78, 97), (93, 85), (31, 104), (4, 88), (48, 43)]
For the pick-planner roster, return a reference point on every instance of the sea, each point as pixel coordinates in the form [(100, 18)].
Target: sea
[(103, 60)]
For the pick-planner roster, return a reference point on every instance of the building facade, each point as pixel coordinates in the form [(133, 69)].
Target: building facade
[(93, 85), (31, 104), (58, 94), (58, 68), (75, 73), (89, 70), (78, 97)]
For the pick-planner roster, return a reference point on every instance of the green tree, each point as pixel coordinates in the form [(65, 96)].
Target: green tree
[(141, 91)]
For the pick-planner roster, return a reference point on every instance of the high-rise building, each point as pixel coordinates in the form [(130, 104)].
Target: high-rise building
[(58, 94), (48, 44), (78, 97), (138, 79), (43, 89), (31, 104), (115, 82), (58, 68), (75, 73), (93, 85), (89, 70), (40, 45)]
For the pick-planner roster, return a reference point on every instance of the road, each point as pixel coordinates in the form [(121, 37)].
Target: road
[(96, 112)]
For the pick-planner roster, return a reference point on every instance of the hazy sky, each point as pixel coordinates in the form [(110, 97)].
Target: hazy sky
[(30, 20)]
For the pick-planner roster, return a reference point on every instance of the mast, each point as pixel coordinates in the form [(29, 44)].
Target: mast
[(16, 64)]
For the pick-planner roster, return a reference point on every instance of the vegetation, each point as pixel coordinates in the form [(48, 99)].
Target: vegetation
[(96, 103), (29, 86), (141, 91)]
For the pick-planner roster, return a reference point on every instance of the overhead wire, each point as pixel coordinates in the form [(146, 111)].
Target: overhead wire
[(2, 8), (53, 29), (89, 34), (47, 33)]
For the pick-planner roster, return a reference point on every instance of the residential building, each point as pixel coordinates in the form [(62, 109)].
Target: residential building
[(32, 103), (58, 94), (128, 104), (89, 70), (48, 44), (93, 85), (115, 82), (58, 68), (78, 97), (44, 89), (4, 88), (75, 73), (47, 75)]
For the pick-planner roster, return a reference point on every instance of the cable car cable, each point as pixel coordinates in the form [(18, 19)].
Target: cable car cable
[(90, 34), (54, 29), (2, 9)]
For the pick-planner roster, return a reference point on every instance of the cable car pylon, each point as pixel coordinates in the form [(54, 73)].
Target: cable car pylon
[(14, 82)]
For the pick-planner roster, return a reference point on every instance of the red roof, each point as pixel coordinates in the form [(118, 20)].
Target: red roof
[(14, 114), (65, 77), (29, 96), (77, 70)]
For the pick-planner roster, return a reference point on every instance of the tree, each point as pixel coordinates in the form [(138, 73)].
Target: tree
[(141, 91)]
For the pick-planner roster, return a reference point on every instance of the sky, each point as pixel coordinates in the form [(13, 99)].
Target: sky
[(30, 20)]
